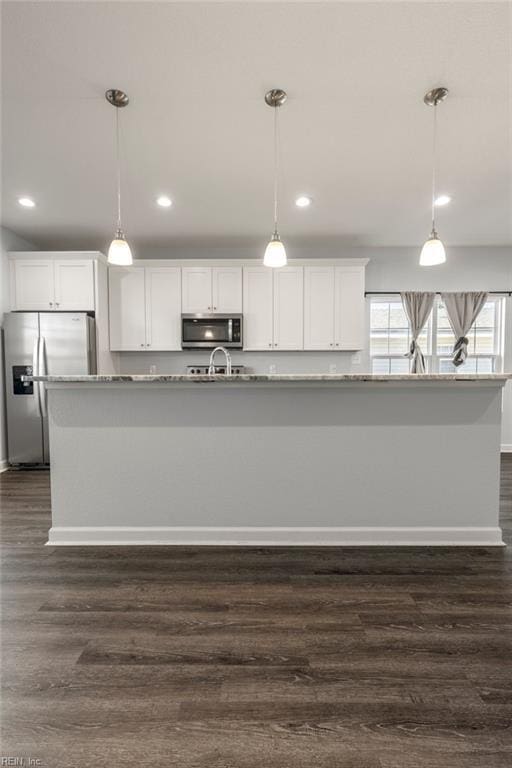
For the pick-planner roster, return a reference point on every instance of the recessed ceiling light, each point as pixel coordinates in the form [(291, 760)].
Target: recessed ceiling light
[(442, 200), (163, 201), (26, 202), (303, 201)]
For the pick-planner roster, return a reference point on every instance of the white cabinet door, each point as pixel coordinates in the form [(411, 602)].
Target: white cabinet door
[(32, 285), (288, 308), (349, 330), (227, 289), (318, 307), (196, 289), (163, 308), (127, 308), (74, 285), (258, 307)]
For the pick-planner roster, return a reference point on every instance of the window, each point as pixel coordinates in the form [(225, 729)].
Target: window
[(390, 338)]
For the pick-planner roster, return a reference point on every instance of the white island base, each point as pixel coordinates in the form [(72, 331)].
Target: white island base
[(334, 460)]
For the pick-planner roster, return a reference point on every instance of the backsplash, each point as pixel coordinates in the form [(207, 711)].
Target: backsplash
[(257, 362)]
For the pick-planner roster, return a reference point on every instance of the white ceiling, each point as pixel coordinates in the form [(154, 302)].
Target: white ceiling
[(356, 135)]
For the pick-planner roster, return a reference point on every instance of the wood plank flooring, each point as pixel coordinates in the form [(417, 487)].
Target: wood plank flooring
[(244, 658)]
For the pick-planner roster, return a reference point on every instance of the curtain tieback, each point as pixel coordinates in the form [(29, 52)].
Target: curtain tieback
[(460, 351), (413, 349)]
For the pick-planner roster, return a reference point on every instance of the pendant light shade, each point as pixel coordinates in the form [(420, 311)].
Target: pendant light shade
[(119, 252), (433, 252), (275, 252)]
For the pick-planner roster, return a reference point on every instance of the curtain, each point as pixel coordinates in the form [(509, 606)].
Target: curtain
[(463, 309), (418, 307)]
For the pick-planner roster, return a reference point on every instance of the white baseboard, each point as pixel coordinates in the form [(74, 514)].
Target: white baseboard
[(4, 465), (506, 448), (274, 537)]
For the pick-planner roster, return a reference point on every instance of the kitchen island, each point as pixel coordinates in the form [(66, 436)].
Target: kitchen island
[(275, 459)]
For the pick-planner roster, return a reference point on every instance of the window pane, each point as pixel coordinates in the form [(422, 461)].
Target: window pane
[(379, 314), (398, 341), (486, 316), (390, 332), (484, 340), (397, 316), (399, 365), (485, 365), (446, 366), (470, 366), (379, 342), (445, 341), (380, 365), (442, 317)]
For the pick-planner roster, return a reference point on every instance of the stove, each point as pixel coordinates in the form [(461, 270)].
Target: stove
[(202, 370)]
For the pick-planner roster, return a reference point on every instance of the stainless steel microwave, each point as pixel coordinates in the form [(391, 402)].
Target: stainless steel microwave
[(204, 331)]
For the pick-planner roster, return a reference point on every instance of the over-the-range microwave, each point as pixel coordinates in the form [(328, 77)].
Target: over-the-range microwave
[(206, 331)]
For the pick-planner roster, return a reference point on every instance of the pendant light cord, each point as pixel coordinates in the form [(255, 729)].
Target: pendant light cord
[(276, 165), (118, 172), (434, 156)]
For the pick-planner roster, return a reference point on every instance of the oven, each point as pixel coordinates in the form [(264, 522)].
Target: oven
[(205, 331)]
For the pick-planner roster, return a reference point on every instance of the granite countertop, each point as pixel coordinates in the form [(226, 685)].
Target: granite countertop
[(264, 377)]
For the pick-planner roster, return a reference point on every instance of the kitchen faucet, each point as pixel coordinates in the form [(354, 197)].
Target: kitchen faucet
[(211, 369)]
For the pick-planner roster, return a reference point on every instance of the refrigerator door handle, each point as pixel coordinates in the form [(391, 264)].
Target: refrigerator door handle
[(35, 372), (42, 370)]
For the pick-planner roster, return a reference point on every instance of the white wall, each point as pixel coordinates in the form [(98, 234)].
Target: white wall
[(9, 241), (390, 269)]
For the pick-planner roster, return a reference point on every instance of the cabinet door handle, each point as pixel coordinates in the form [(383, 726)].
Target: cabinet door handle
[(142, 345), (215, 307), (51, 303), (57, 304), (270, 344)]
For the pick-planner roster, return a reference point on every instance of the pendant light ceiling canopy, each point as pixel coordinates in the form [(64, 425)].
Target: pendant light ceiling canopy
[(275, 253), (433, 251), (119, 252)]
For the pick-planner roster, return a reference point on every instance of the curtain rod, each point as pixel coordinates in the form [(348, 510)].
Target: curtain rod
[(397, 293)]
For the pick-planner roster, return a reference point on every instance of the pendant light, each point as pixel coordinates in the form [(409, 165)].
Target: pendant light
[(433, 251), (275, 253), (119, 252)]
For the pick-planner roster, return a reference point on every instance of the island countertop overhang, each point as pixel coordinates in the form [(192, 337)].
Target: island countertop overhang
[(498, 379)]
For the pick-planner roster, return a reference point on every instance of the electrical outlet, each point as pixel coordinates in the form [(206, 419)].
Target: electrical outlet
[(333, 368), (272, 369), (152, 370)]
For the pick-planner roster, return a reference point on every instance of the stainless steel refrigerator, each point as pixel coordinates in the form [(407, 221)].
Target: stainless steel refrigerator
[(43, 343)]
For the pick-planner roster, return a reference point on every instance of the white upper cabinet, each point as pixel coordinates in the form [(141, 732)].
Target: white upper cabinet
[(74, 285), (32, 285), (288, 308), (127, 308), (227, 290), (273, 308), (258, 308), (318, 307), (212, 289), (196, 289), (163, 308), (349, 320), (292, 308), (52, 284)]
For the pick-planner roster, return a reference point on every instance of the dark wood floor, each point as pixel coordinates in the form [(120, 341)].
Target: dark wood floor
[(244, 658)]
